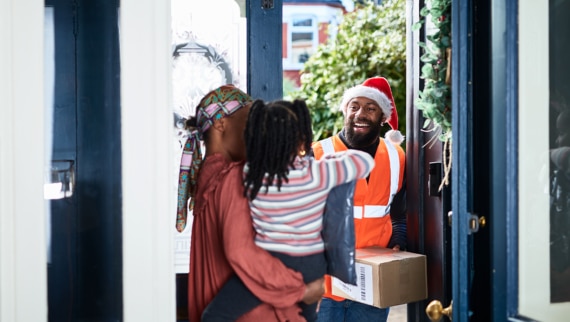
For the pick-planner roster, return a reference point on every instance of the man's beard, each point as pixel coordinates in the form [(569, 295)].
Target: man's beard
[(358, 140)]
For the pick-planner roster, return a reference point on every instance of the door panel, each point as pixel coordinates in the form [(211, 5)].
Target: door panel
[(63, 223), (85, 271), (479, 161), (487, 158), (99, 169), (429, 231)]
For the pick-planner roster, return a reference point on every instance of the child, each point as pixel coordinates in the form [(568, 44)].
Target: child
[(287, 190)]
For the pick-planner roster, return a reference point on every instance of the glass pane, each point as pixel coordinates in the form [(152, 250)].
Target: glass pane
[(559, 132), (301, 46), (205, 56), (541, 88), (307, 22), (302, 37)]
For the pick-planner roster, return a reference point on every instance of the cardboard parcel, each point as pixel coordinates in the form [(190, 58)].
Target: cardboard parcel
[(385, 278)]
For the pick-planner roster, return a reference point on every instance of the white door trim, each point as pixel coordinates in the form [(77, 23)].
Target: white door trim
[(148, 204)]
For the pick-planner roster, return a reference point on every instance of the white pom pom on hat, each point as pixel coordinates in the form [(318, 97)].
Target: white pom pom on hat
[(377, 89)]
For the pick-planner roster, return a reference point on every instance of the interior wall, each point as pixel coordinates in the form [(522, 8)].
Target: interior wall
[(23, 277)]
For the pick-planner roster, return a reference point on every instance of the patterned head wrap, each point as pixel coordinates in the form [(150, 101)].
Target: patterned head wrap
[(223, 101)]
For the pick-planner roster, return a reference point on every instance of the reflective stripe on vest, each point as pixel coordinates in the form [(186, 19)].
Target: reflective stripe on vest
[(327, 145), (374, 211)]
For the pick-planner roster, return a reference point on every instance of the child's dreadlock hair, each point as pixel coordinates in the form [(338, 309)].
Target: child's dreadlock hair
[(274, 135)]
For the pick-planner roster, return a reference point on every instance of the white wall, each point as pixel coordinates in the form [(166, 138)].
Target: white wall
[(23, 270)]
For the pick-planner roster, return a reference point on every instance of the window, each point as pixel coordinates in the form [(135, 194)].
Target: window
[(302, 41)]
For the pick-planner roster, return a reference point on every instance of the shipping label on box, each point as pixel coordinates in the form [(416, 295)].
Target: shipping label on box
[(363, 291), (385, 278)]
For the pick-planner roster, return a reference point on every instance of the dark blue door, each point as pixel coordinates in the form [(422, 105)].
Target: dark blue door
[(85, 268), (484, 174)]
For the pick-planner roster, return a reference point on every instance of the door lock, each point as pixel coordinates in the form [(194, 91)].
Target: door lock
[(476, 222)]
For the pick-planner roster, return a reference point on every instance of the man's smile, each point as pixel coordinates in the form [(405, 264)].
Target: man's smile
[(360, 126)]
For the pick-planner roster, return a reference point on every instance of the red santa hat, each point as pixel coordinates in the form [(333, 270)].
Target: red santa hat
[(377, 89)]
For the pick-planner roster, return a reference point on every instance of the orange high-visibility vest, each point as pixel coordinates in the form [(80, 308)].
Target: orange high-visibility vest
[(372, 199)]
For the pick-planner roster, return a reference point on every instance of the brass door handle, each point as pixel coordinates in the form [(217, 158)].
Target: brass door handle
[(435, 310)]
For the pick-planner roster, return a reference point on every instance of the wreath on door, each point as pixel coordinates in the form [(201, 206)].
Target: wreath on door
[(435, 99)]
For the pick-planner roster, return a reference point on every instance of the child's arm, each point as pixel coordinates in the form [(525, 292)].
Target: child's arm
[(348, 165)]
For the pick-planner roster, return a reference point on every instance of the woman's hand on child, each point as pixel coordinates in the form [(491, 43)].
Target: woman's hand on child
[(314, 291)]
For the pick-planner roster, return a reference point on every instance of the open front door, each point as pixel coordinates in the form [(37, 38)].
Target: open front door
[(485, 154), (451, 226), (509, 233)]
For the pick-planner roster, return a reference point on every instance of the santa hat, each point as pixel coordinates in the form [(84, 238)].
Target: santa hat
[(377, 89)]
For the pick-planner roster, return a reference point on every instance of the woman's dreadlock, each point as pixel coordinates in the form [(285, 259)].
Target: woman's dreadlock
[(274, 134)]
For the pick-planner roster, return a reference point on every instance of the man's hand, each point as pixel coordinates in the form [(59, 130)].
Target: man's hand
[(314, 291)]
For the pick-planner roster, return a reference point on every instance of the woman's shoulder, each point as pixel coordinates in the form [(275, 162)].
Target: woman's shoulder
[(234, 170), (229, 180), (216, 168)]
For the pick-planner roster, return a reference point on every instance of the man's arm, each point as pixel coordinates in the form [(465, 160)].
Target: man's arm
[(265, 276), (398, 212)]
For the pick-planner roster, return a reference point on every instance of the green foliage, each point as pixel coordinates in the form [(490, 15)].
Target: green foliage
[(435, 99), (371, 41), (289, 87)]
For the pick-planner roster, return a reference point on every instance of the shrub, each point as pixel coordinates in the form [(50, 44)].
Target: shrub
[(371, 41)]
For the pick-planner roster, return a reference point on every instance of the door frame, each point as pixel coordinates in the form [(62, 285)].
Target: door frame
[(511, 157), (264, 50), (148, 269), (461, 149)]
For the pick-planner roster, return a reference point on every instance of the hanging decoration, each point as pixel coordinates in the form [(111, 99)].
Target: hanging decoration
[(435, 99)]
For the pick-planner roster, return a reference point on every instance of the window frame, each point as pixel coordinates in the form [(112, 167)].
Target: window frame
[(288, 63)]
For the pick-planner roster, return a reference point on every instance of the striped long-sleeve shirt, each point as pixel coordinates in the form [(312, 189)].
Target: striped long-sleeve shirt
[(290, 220)]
